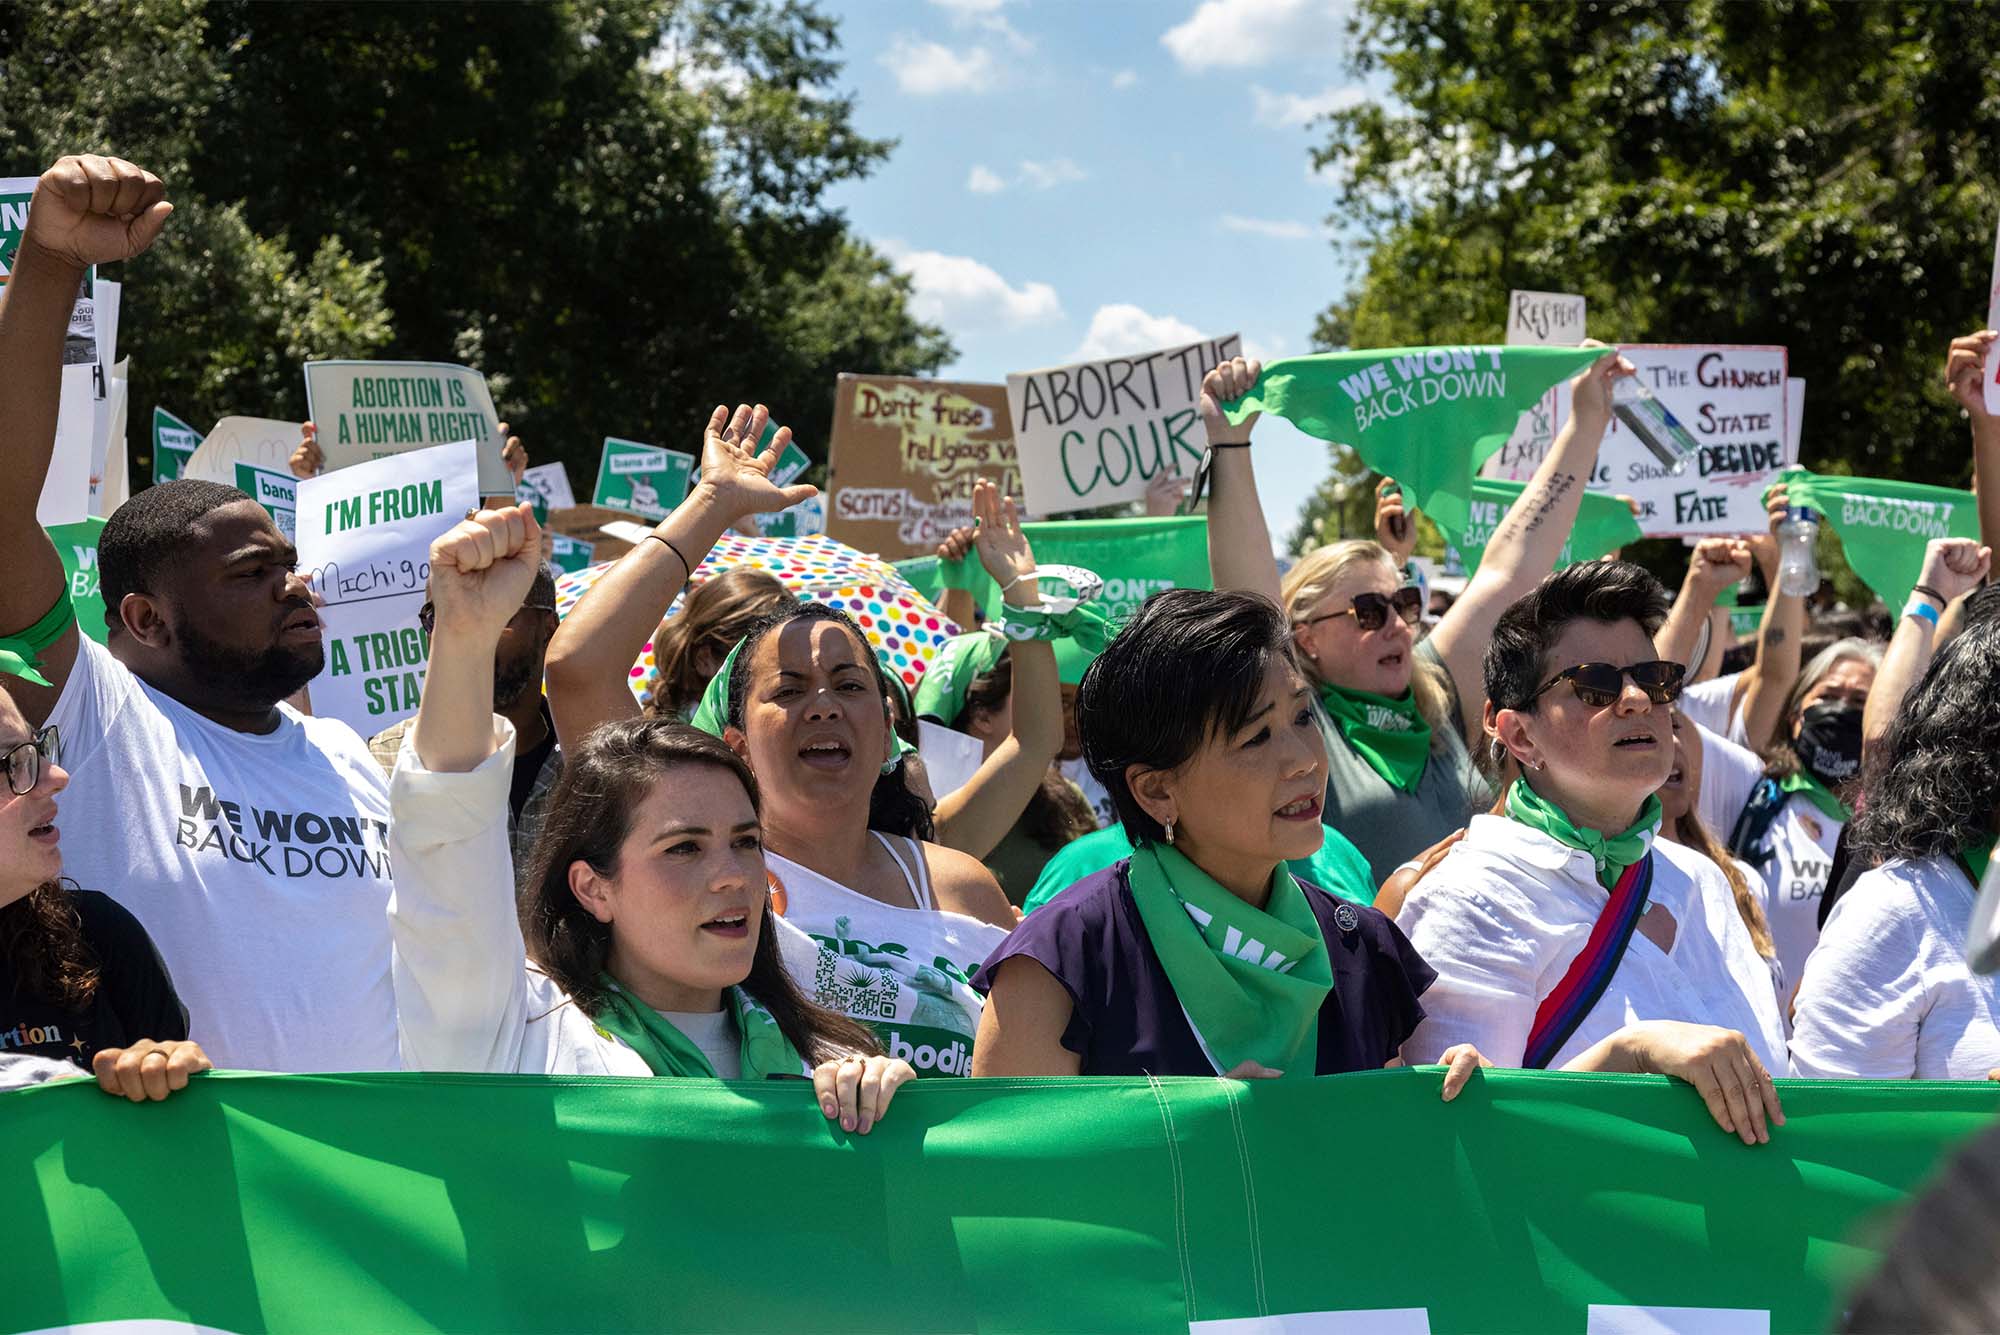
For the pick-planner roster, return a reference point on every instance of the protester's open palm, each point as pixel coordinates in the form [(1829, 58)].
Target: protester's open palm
[(482, 568), (95, 210), (1003, 548), (735, 473)]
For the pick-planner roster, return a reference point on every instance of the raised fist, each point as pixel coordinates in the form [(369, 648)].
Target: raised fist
[(93, 210)]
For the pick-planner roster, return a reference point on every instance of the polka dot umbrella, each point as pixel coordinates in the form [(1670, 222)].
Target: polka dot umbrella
[(905, 628)]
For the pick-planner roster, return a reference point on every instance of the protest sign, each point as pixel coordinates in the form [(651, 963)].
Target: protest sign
[(1571, 1203), (903, 457), (365, 534), (370, 410), (65, 494), (1096, 433), (795, 521), (173, 442), (551, 482), (568, 554), (261, 442), (642, 479), (792, 461), (1544, 319), (1795, 417), (950, 758), (276, 492), (1884, 526), (1136, 558), (80, 343), (76, 545), (1603, 525), (110, 482)]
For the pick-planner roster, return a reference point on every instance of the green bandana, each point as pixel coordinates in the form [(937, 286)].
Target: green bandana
[(1884, 526), (1427, 417), (20, 655), (1976, 855), (1386, 732), (1818, 794), (666, 1050), (1613, 853), (1251, 981), (941, 694), (711, 715), (1603, 525)]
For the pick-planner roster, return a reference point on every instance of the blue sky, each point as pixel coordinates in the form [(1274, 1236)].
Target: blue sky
[(1085, 178)]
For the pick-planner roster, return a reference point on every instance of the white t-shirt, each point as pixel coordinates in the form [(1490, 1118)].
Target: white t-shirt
[(1888, 994), (1708, 703), (714, 1032), (258, 864), (1793, 879), (1729, 774)]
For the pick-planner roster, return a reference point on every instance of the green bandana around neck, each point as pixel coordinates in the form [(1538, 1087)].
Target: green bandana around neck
[(1427, 417), (1390, 734), (1251, 981), (948, 680), (1884, 525), (712, 714), (1818, 794), (1613, 853), (762, 1046)]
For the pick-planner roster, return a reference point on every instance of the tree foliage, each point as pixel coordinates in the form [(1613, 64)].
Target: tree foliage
[(616, 208)]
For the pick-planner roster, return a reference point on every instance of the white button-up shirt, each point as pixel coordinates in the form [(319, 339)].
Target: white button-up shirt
[(1502, 917)]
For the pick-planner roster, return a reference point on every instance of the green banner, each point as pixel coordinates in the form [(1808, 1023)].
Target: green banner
[(1427, 417), (1603, 525), (1136, 558), (1536, 1202), (173, 441), (1884, 526), (76, 544)]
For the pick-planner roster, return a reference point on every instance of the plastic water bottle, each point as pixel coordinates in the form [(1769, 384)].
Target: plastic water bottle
[(1798, 571), (1657, 428)]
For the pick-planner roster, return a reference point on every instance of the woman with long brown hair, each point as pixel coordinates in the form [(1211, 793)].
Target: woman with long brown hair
[(690, 646)]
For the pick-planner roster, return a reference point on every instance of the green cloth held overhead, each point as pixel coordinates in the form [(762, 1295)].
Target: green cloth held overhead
[(1427, 417), (1603, 525), (1613, 853), (1884, 526), (1337, 867), (941, 694)]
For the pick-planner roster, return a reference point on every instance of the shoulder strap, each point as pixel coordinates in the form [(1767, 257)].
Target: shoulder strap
[(1751, 839), (919, 883), (1563, 1009)]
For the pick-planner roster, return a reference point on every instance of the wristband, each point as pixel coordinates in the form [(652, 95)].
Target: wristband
[(686, 564), (1084, 586), (1928, 592), (1922, 610)]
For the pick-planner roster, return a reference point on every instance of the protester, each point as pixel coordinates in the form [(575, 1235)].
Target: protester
[(1537, 964), (1196, 720), (248, 840), (1400, 716), (1682, 823), (651, 948), (80, 980), (1888, 993), (1952, 569), (1744, 706), (690, 645)]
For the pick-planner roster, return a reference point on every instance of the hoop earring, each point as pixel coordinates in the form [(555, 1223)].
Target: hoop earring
[(1170, 834)]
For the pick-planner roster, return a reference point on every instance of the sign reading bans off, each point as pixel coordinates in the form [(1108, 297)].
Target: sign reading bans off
[(1097, 432), (904, 456)]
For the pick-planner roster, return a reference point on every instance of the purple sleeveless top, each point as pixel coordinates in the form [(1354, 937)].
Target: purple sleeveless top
[(1127, 1021)]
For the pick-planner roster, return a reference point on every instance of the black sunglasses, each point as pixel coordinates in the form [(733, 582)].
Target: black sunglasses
[(24, 761), (427, 615), (1598, 684), (1371, 610)]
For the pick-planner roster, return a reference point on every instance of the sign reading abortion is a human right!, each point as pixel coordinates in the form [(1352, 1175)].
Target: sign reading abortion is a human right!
[(369, 410)]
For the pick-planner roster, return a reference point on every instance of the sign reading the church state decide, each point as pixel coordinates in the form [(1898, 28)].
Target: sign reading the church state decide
[(568, 554), (1096, 433), (278, 493), (365, 533), (371, 410), (642, 479), (173, 442), (903, 457)]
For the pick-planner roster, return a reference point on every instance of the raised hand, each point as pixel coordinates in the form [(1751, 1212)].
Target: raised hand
[(1953, 567), (1225, 384), (513, 454), (1965, 372), (1590, 391), (95, 210), (307, 458), (1716, 564), (481, 570), (1394, 529), (1165, 493), (957, 543), (735, 474), (1003, 548)]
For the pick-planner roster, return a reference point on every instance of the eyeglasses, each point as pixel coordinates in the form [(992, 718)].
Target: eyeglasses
[(1598, 684), (1371, 610), (427, 615), (24, 761)]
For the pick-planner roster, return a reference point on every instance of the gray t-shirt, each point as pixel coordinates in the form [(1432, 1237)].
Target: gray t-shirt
[(1388, 825)]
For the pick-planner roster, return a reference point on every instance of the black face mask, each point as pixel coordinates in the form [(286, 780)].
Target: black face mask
[(1829, 742)]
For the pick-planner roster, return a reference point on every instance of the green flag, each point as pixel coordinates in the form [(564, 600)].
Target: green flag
[(1427, 417), (1884, 526), (1603, 524), (401, 1202), (1135, 557), (76, 544)]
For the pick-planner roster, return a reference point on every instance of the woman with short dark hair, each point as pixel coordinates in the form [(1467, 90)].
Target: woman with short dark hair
[(1201, 954)]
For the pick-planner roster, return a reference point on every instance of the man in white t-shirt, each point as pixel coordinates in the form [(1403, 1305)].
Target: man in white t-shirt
[(251, 841)]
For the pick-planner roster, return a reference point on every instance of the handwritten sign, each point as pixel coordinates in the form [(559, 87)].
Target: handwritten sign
[(1096, 433), (642, 479), (261, 442), (370, 410), (365, 533), (903, 457), (1544, 319)]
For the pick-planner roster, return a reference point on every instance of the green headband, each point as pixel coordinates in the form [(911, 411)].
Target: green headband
[(712, 714), (941, 694)]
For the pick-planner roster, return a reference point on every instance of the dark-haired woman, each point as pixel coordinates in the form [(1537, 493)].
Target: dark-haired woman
[(690, 646), (1887, 993), (651, 948), (80, 981), (1201, 954), (1564, 933)]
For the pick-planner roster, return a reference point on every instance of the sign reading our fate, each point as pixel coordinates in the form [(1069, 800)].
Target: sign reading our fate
[(1096, 433), (370, 410), (365, 533), (642, 479)]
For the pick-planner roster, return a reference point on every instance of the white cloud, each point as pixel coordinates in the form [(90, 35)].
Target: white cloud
[(925, 69), (1120, 330), (983, 181), (1276, 229), (1268, 348), (1050, 174), (1124, 79), (1237, 34), (963, 295), (986, 16), (1281, 110)]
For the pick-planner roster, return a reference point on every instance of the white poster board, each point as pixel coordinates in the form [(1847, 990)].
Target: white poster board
[(1795, 417), (109, 485), (261, 442), (65, 497), (370, 410), (1539, 320), (552, 481), (951, 758), (1097, 432), (1544, 319), (365, 535)]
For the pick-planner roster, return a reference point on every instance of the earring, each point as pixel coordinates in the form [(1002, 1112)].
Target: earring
[(1170, 834)]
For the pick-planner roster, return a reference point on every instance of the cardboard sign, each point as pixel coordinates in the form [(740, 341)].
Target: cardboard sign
[(569, 555), (371, 410), (1733, 400), (904, 455), (173, 442), (278, 493), (1544, 319), (365, 533), (642, 479), (552, 482), (1096, 433), (261, 442)]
